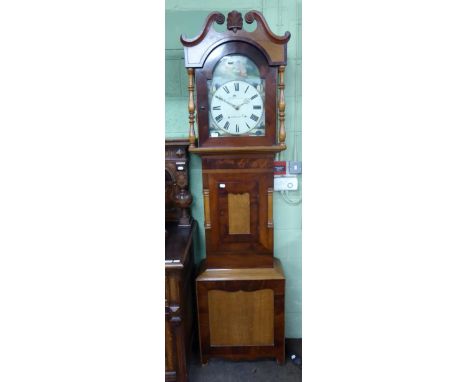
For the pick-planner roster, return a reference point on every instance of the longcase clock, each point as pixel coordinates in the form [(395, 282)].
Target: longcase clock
[(237, 78)]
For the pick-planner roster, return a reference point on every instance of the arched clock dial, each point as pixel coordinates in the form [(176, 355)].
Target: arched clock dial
[(236, 98), (236, 107)]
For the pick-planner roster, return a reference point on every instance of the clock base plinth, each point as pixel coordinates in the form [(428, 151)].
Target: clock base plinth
[(241, 313)]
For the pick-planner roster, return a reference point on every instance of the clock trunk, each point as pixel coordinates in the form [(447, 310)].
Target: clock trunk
[(238, 193)]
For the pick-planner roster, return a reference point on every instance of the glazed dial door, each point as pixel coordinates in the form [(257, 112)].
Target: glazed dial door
[(236, 108), (236, 98)]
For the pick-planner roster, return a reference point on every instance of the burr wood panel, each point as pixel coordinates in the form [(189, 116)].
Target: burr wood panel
[(239, 214), (241, 318)]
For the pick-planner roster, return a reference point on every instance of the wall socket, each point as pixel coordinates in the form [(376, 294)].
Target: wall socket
[(295, 167), (285, 183)]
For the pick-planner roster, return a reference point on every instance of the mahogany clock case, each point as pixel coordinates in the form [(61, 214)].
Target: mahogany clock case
[(240, 287)]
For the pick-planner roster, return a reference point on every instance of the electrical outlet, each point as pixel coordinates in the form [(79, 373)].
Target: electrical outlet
[(284, 183), (295, 167)]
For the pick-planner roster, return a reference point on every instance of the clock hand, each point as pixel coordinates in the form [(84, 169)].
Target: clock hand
[(244, 102), (229, 103)]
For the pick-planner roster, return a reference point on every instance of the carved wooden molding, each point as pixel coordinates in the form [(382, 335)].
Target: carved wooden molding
[(210, 19), (198, 48), (258, 16), (175, 148), (206, 205), (234, 21), (178, 197)]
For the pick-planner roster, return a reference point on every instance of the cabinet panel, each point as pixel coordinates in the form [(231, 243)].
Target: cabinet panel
[(242, 212), (239, 213), (241, 318)]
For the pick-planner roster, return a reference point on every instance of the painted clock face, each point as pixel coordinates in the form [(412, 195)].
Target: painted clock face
[(236, 98), (236, 107)]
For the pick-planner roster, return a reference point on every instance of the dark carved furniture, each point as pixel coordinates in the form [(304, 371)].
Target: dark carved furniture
[(179, 263), (178, 197), (238, 79)]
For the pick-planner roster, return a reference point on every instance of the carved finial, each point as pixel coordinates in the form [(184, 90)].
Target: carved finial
[(234, 21)]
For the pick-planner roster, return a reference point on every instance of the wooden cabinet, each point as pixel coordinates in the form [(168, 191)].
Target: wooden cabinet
[(241, 312), (179, 301)]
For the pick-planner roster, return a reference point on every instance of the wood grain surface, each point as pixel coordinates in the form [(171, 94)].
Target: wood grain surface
[(241, 318)]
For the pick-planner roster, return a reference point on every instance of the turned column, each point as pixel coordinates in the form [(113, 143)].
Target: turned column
[(281, 107)]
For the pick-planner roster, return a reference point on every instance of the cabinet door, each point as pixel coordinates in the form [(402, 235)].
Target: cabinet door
[(240, 212)]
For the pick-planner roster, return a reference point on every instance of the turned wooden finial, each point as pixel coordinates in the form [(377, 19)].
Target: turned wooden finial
[(191, 107), (183, 199), (281, 107), (234, 21)]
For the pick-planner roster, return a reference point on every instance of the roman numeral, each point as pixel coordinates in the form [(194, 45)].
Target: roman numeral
[(219, 118), (236, 86), (257, 107), (226, 89), (226, 125), (254, 117), (247, 125), (217, 107), (237, 128), (254, 96), (247, 88)]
